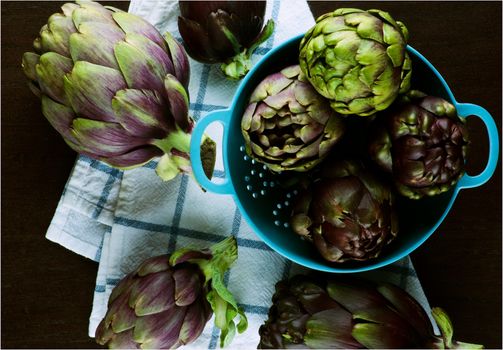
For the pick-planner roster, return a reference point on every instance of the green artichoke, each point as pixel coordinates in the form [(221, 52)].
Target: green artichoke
[(167, 300), (422, 142), (357, 59), (114, 88), (346, 212), (287, 125), (338, 313)]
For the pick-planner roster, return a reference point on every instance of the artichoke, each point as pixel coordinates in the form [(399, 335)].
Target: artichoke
[(348, 314), (347, 213), (357, 59), (422, 142), (167, 300), (287, 124), (114, 88), (224, 32)]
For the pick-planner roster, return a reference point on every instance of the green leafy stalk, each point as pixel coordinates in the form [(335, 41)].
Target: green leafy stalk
[(222, 301), (239, 65), (178, 139), (445, 325), (170, 164), (220, 298)]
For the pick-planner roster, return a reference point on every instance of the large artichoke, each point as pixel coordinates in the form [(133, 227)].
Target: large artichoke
[(347, 213), (423, 143), (224, 32), (357, 59), (114, 88), (287, 124), (337, 313), (168, 299)]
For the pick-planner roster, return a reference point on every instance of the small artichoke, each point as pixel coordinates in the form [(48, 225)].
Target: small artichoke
[(357, 59), (346, 212), (422, 142), (114, 88), (224, 32), (336, 313), (167, 300), (287, 124)]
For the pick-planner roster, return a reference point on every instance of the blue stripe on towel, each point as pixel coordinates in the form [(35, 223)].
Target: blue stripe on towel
[(180, 201), (254, 309), (205, 107), (114, 175), (183, 185), (210, 237)]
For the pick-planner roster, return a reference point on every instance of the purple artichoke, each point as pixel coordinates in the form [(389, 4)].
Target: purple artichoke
[(224, 32), (114, 88), (422, 142), (287, 124), (167, 300), (336, 313), (346, 212)]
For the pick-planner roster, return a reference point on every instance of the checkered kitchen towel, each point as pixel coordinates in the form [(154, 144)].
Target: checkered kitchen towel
[(121, 218)]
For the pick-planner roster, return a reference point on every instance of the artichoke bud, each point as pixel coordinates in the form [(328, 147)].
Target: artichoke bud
[(347, 213), (115, 89), (288, 125), (316, 312), (167, 300), (357, 59), (422, 143), (224, 32)]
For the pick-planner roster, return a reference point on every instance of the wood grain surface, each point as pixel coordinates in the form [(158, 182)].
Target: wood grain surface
[(47, 290)]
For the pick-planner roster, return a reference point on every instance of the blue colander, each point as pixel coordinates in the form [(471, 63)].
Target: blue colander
[(266, 206)]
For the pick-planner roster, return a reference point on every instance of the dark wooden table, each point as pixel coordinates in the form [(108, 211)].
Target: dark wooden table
[(47, 290)]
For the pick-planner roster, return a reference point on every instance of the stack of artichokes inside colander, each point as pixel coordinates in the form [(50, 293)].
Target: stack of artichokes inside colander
[(353, 64)]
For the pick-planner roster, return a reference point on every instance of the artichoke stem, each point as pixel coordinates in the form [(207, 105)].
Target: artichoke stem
[(222, 302), (176, 158), (220, 312), (224, 254), (445, 325), (172, 163), (240, 64), (178, 140)]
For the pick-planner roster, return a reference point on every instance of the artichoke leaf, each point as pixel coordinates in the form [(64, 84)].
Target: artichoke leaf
[(29, 62), (179, 59), (130, 23), (49, 70), (141, 113), (178, 101), (153, 294), (87, 79), (330, 329), (382, 336), (139, 73), (407, 306)]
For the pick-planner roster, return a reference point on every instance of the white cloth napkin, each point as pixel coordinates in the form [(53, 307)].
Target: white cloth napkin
[(121, 218)]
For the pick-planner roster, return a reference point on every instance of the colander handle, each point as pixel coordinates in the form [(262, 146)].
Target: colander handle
[(223, 117), (468, 109)]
